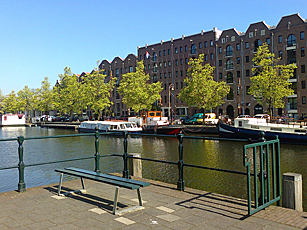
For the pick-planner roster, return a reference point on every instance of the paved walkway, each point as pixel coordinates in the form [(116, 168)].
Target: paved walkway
[(165, 208)]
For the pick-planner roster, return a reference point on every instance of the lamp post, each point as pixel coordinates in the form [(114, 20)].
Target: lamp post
[(170, 87)]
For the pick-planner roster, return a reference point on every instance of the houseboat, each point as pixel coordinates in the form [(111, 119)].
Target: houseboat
[(245, 128), (12, 120), (109, 126)]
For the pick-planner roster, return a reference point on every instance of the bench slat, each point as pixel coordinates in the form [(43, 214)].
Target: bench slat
[(112, 177), (99, 178)]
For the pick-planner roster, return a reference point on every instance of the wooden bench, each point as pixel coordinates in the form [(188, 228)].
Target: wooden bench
[(104, 178)]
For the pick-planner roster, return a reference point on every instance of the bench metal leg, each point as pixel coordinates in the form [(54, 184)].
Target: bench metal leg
[(82, 182), (115, 199), (60, 184), (139, 197)]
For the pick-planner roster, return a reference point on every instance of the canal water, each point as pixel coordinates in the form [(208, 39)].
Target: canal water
[(217, 154)]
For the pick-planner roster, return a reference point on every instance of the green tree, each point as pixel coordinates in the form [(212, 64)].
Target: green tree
[(201, 90), (136, 91), (270, 83), (44, 96), (25, 100), (96, 92), (67, 95), (10, 103)]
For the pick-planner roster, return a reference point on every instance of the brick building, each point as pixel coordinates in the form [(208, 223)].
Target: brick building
[(231, 52)]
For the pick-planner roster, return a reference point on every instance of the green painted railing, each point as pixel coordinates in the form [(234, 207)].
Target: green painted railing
[(263, 158), (263, 183)]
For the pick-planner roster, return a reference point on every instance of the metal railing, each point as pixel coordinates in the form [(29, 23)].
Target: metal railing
[(262, 177)]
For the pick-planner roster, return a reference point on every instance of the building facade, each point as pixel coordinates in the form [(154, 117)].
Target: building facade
[(231, 52)]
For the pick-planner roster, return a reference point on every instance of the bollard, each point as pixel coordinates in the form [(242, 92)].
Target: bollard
[(292, 191), (135, 165), (21, 165), (97, 156)]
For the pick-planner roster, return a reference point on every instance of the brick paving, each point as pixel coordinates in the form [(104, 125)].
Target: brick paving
[(165, 208)]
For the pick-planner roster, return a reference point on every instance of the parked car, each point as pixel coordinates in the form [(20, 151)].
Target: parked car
[(46, 118), (244, 116), (193, 119)]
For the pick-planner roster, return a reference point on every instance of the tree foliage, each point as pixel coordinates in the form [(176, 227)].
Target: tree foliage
[(270, 83), (10, 103), (201, 90), (67, 94), (96, 91), (136, 90), (26, 99), (44, 99)]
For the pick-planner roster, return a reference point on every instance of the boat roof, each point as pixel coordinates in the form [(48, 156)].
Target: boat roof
[(108, 122)]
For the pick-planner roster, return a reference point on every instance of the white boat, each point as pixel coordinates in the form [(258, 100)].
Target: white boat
[(109, 126), (245, 128), (12, 120)]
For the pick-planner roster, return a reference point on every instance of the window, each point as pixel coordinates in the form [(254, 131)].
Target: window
[(199, 45), (169, 63), (176, 62), (302, 68), (291, 40), (181, 85), (229, 78), (155, 78), (292, 103), (303, 99), (181, 73), (280, 54), (291, 56), (229, 50), (155, 67), (164, 64), (130, 69), (279, 39), (186, 61), (211, 42), (220, 62), (148, 67), (220, 76), (230, 94), (206, 44), (160, 75), (169, 74), (206, 57), (246, 45), (193, 49), (229, 64), (211, 56), (159, 53), (268, 41), (262, 32), (169, 51), (176, 50), (176, 73), (303, 83), (237, 46), (247, 59), (176, 85), (164, 75), (154, 56), (302, 52), (302, 35), (180, 49), (247, 73), (164, 52), (220, 49), (160, 64), (250, 35), (145, 67), (238, 74), (185, 48), (181, 61), (257, 43), (238, 60)]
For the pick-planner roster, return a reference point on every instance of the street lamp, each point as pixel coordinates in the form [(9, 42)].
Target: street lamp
[(170, 87)]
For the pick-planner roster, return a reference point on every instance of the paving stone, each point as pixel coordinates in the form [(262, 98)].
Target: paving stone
[(165, 209), (124, 220), (169, 217)]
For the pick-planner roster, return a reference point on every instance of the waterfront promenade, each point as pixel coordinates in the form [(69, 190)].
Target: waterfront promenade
[(165, 208)]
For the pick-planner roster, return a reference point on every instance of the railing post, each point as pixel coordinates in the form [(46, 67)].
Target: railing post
[(97, 156), (21, 165), (125, 157), (263, 174), (180, 182)]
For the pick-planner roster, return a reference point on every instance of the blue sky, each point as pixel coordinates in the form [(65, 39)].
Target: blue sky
[(40, 38)]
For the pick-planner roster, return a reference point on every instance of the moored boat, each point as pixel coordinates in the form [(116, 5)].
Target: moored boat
[(12, 120), (109, 126), (249, 128)]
